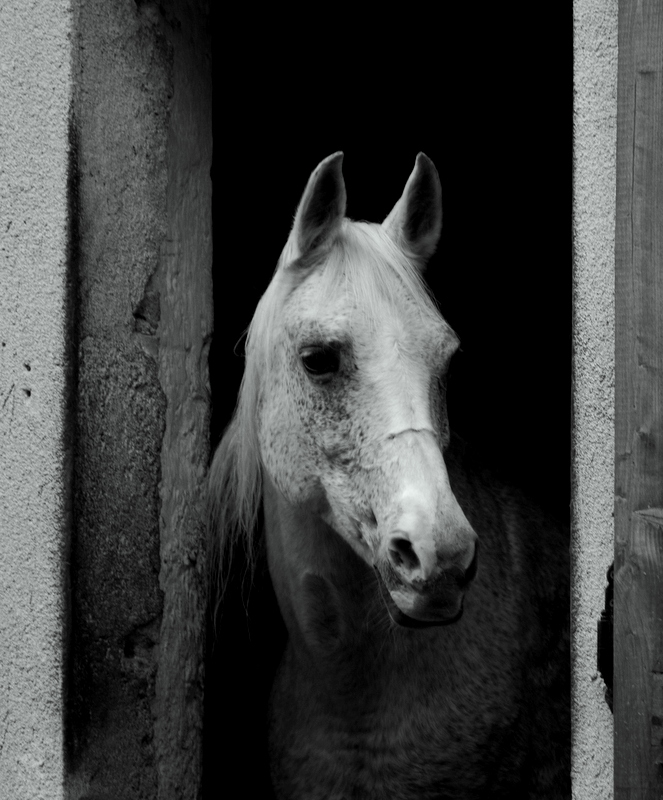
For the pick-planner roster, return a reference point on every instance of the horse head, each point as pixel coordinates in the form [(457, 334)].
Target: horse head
[(351, 412)]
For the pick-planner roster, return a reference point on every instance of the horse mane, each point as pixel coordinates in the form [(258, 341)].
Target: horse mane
[(365, 261)]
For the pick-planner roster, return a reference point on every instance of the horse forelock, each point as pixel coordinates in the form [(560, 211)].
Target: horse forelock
[(361, 262)]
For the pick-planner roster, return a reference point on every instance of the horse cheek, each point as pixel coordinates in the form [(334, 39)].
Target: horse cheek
[(282, 449)]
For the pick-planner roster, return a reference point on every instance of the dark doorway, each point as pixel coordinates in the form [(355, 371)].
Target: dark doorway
[(485, 90)]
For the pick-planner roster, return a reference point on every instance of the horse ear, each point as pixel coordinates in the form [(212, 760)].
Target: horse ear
[(415, 222), (321, 208)]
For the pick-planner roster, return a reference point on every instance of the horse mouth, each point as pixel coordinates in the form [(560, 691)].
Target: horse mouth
[(432, 617)]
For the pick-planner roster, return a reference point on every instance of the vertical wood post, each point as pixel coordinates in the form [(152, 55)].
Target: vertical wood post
[(185, 329), (638, 694)]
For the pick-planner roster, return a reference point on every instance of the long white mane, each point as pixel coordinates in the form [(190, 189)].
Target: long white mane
[(365, 262)]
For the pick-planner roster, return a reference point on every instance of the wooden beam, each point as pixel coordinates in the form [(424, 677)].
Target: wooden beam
[(638, 691)]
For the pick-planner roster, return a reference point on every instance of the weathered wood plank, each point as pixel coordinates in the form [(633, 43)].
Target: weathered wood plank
[(639, 662), (638, 693), (185, 329)]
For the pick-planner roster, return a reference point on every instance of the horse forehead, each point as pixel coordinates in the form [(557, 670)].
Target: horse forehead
[(342, 315)]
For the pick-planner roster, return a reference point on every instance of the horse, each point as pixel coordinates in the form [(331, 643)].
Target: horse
[(426, 603)]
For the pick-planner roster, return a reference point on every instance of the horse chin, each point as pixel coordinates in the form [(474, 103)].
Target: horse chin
[(427, 616), (421, 612), (405, 621)]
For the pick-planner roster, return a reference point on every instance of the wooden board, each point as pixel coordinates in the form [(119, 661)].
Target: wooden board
[(638, 693)]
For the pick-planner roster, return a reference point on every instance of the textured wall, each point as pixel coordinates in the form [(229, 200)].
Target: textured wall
[(142, 161), (105, 320), (594, 130), (35, 43), (123, 84)]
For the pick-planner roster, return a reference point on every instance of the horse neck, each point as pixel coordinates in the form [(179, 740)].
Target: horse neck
[(345, 658), (327, 595)]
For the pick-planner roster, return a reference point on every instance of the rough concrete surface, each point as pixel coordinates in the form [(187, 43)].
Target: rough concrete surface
[(34, 437), (594, 131), (123, 84), (105, 319), (142, 161)]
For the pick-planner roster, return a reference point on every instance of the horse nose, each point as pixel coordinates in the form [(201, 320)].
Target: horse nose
[(418, 560)]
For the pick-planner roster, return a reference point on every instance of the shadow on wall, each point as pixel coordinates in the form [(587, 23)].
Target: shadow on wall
[(502, 274)]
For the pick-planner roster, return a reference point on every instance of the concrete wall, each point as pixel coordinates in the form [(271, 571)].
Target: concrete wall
[(594, 131), (35, 441), (142, 123), (123, 83), (105, 321)]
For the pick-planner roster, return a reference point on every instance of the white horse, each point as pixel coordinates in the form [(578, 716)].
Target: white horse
[(426, 605)]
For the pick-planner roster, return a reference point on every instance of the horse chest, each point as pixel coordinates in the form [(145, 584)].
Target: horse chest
[(401, 738)]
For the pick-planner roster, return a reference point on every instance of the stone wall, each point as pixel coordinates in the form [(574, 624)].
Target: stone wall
[(105, 321), (142, 155)]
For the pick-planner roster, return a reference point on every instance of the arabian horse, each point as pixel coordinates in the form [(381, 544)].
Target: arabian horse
[(426, 604)]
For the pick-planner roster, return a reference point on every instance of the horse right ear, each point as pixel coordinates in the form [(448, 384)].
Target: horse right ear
[(321, 208)]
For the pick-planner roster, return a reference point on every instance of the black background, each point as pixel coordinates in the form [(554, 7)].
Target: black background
[(484, 90)]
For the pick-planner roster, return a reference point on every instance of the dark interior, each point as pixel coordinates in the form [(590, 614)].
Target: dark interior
[(486, 92)]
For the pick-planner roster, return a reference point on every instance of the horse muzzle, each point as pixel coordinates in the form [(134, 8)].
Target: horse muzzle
[(422, 603)]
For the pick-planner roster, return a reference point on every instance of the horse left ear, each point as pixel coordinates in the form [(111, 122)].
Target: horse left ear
[(415, 222), (321, 208)]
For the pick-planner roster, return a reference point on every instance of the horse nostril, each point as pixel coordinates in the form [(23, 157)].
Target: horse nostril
[(402, 554)]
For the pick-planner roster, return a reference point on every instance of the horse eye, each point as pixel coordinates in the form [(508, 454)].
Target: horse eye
[(320, 361)]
